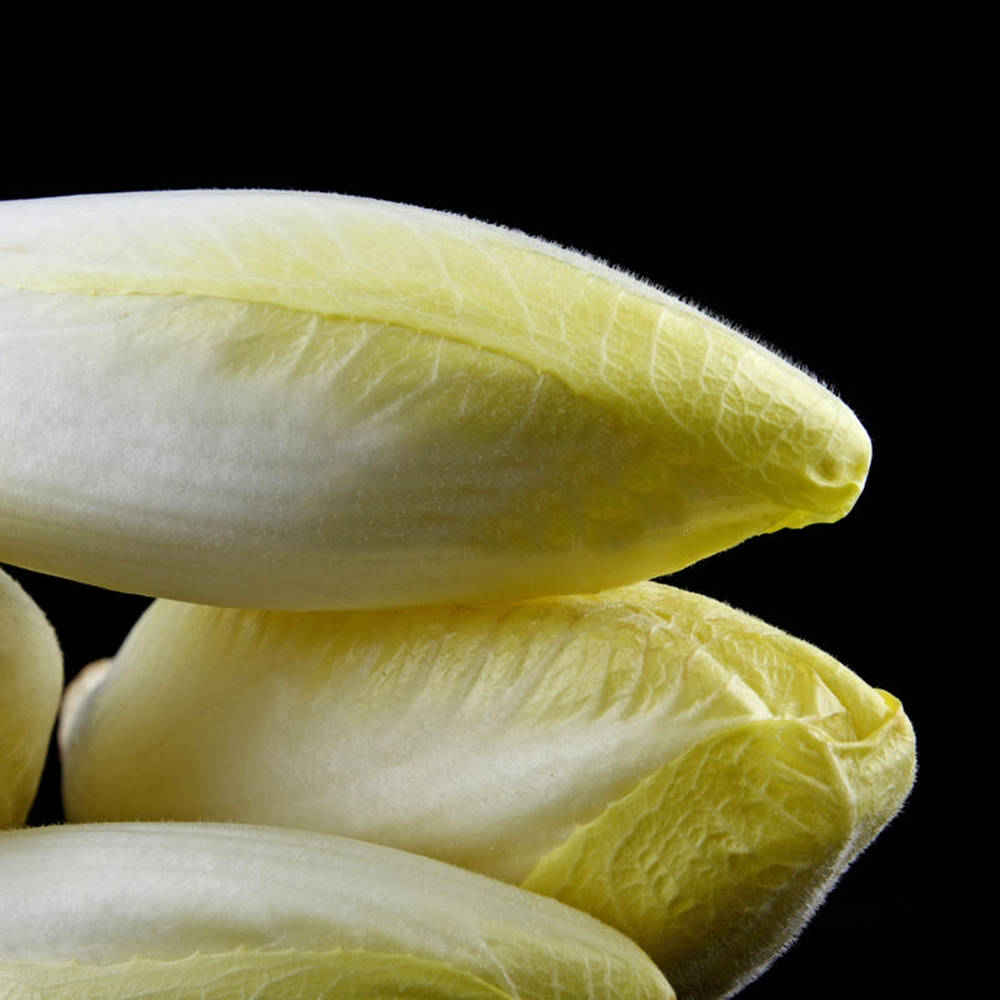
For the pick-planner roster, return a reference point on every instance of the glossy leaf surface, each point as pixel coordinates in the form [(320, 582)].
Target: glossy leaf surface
[(206, 912)]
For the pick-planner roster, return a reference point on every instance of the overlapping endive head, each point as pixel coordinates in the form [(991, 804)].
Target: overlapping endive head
[(689, 774), (31, 677), (273, 399), (216, 912)]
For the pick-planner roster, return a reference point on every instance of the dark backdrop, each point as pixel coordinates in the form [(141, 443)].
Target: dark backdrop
[(790, 222)]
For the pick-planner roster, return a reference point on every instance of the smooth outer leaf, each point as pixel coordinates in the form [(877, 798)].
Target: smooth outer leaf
[(688, 773), (31, 678), (285, 400), (176, 911)]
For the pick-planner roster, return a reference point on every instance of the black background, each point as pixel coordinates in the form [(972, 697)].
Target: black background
[(788, 210)]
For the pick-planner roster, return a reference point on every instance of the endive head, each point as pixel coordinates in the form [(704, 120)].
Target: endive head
[(275, 399), (689, 774), (207, 912), (31, 676)]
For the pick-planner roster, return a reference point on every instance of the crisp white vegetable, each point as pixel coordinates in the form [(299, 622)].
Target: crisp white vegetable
[(206, 912), (31, 677), (685, 772), (275, 399)]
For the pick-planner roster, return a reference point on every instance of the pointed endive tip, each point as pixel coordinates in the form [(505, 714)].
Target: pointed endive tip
[(306, 401), (835, 474), (679, 769), (31, 675)]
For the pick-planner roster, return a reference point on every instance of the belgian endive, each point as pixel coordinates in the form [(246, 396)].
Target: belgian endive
[(215, 912), (31, 677), (686, 773), (306, 401)]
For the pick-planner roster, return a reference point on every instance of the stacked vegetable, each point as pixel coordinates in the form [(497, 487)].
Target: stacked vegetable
[(375, 451)]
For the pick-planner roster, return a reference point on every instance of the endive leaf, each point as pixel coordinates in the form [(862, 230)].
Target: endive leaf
[(692, 775), (31, 677), (174, 912), (716, 861), (272, 399)]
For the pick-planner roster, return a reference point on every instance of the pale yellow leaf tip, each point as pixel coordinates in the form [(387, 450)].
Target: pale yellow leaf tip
[(685, 772), (76, 696), (31, 676), (212, 912), (276, 399)]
